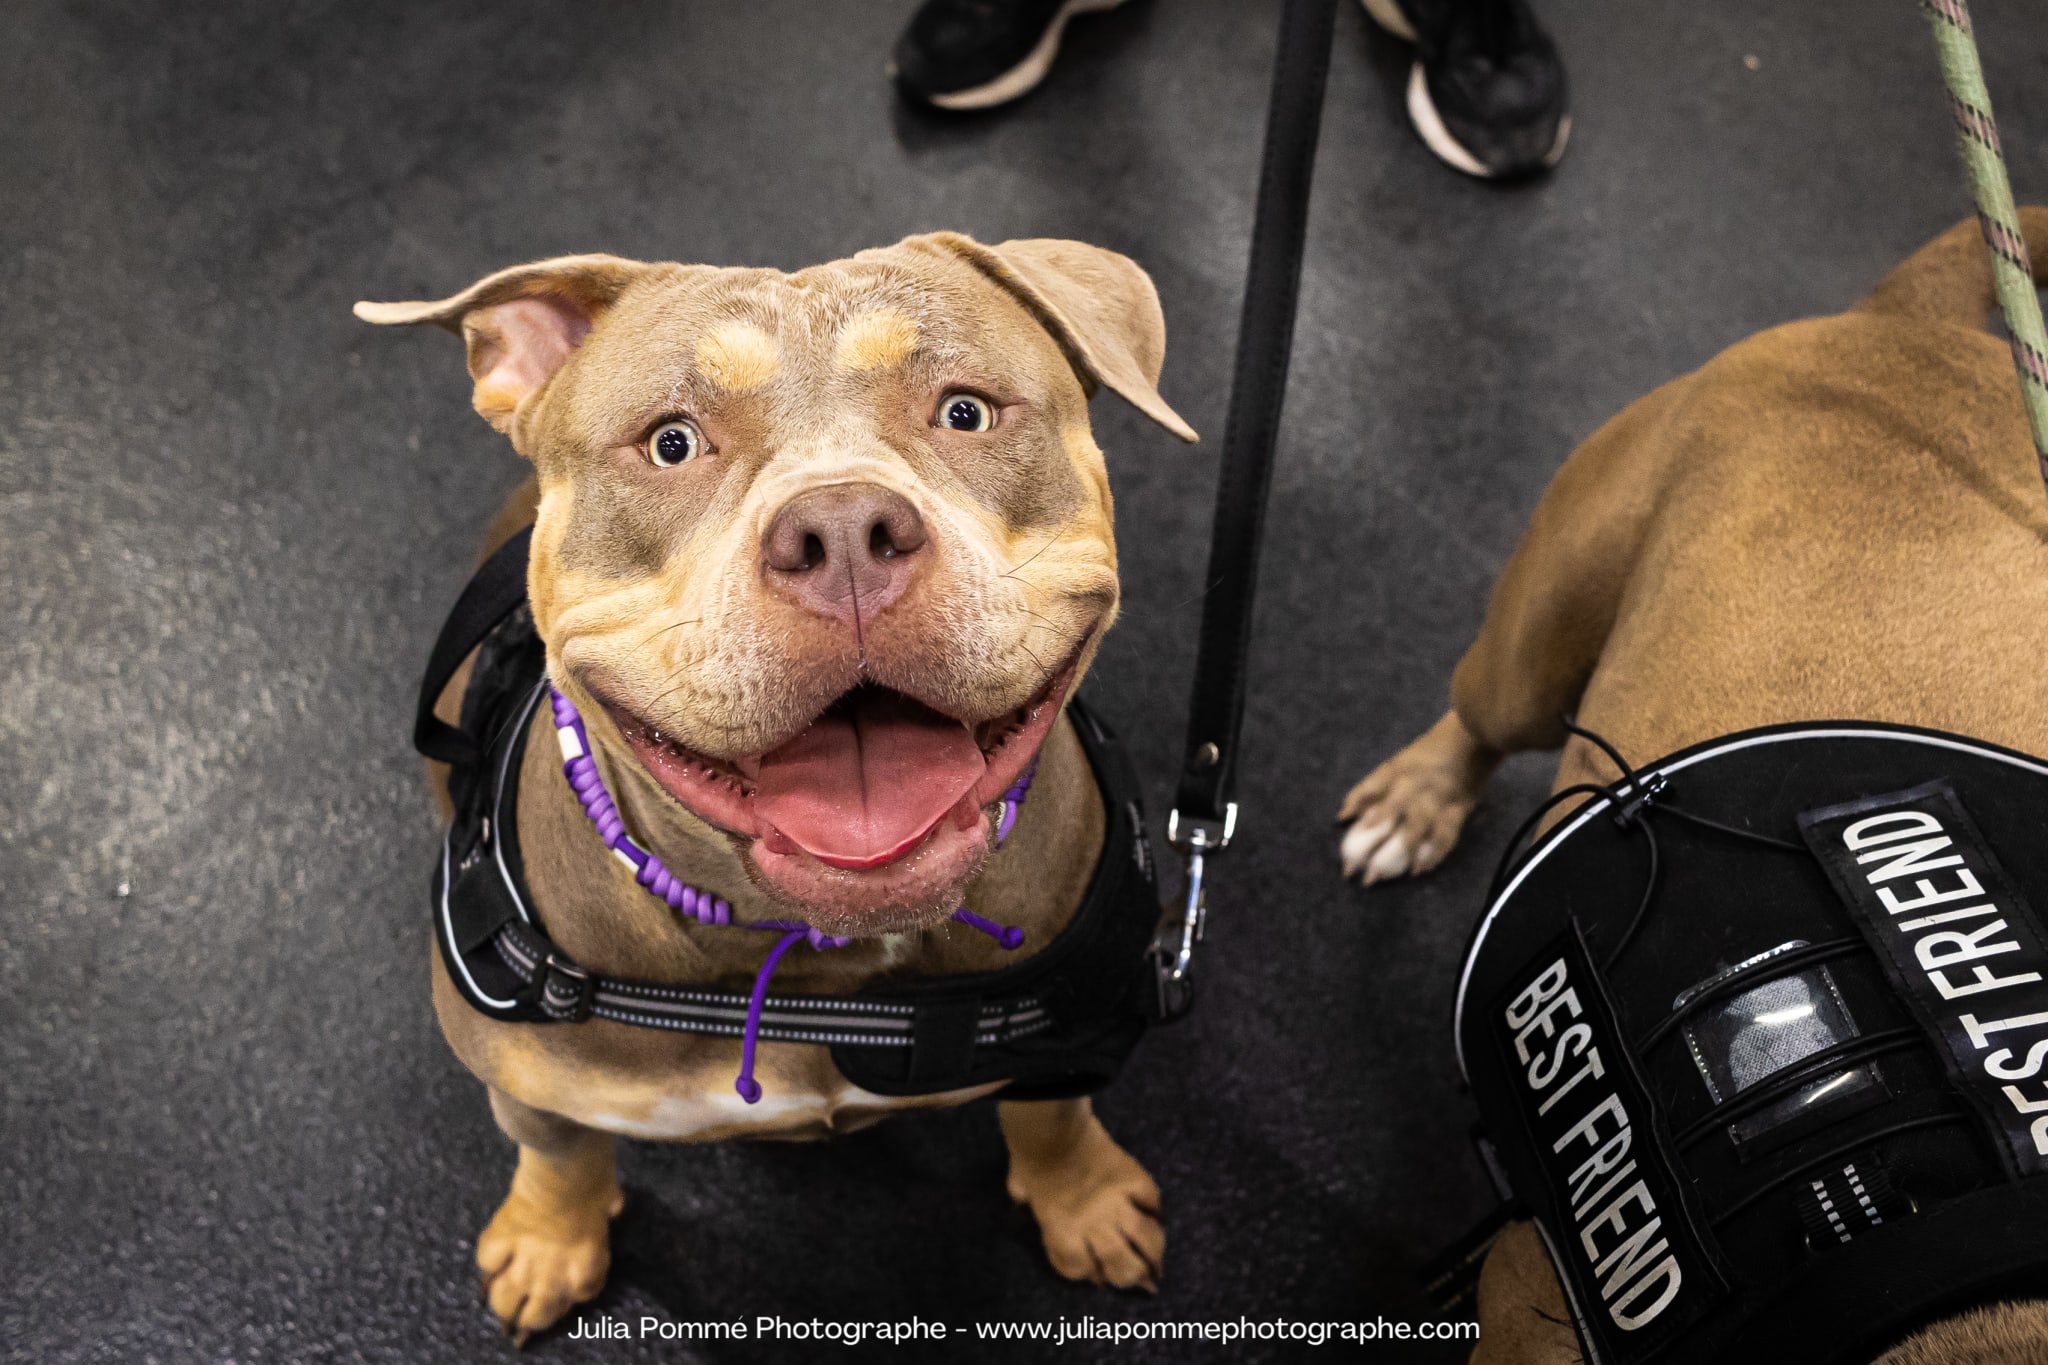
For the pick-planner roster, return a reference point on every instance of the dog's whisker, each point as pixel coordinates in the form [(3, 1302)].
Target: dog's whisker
[(1012, 570), (1052, 625), (673, 625), (664, 696), (1185, 601)]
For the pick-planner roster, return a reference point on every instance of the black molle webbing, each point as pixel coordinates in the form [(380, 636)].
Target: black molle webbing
[(1766, 1062)]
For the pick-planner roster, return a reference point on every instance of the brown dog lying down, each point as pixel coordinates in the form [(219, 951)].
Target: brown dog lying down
[(818, 557), (1840, 518)]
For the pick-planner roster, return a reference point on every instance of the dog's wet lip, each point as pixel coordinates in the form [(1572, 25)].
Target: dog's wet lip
[(990, 734), (640, 733)]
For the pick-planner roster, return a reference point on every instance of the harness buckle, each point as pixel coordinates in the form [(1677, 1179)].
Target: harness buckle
[(1173, 948), (567, 992)]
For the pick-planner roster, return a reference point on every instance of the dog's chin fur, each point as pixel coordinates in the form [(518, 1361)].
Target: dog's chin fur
[(899, 898)]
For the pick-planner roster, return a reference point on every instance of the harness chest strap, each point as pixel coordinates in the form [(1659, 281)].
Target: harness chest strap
[(571, 995)]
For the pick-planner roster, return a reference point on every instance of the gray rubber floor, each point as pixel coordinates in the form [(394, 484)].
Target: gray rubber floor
[(232, 518)]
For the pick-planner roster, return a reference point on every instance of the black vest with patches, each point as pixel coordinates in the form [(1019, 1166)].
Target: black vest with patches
[(1773, 1084)]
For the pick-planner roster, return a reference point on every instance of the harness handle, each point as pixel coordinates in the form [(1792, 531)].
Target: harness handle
[(1204, 815), (497, 590)]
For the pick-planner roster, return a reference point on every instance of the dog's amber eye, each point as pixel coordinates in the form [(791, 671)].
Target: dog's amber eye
[(965, 412), (672, 443)]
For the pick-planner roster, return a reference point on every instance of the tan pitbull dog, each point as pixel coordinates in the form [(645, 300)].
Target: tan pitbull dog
[(1840, 518), (819, 557)]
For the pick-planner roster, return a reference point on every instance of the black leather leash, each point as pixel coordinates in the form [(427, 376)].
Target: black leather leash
[(1204, 815)]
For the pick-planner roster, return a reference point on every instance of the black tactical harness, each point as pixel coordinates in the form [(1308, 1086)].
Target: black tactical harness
[(1759, 1039), (1059, 1023)]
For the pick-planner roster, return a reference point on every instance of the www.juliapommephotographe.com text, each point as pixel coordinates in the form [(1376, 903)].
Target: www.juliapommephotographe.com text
[(1055, 1331)]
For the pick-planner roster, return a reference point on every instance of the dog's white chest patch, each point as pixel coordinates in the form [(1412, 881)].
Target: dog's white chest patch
[(799, 1106), (674, 1118)]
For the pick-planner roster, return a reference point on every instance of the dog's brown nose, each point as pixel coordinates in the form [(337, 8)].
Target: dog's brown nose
[(844, 550)]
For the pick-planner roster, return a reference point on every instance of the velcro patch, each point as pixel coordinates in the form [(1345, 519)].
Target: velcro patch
[(1960, 945), (1616, 1220)]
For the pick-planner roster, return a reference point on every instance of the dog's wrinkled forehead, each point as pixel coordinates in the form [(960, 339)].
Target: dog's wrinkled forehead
[(702, 338), (833, 372), (939, 296), (805, 367)]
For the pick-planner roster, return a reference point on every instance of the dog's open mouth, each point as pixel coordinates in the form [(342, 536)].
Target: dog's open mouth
[(878, 788)]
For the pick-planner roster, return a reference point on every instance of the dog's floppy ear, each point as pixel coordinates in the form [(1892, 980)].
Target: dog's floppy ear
[(520, 324), (1098, 304)]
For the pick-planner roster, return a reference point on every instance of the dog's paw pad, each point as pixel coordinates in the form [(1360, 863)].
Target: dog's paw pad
[(536, 1267)]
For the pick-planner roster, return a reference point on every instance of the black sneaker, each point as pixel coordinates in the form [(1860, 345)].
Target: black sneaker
[(1487, 91), (976, 54)]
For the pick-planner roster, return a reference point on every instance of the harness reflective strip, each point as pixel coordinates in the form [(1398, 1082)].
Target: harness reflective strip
[(810, 1036), (843, 1022), (1599, 804), (739, 1030), (519, 724), (454, 953), (1827, 1208), (1862, 1195)]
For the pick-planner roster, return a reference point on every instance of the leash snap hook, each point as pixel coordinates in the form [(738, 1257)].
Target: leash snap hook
[(1173, 949), (567, 992)]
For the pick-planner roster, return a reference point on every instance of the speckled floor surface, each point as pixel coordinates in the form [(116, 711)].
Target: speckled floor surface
[(233, 516)]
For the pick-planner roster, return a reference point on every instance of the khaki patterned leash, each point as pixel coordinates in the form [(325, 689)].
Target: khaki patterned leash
[(1977, 138)]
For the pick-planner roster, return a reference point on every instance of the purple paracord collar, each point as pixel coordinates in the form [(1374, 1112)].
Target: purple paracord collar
[(581, 770)]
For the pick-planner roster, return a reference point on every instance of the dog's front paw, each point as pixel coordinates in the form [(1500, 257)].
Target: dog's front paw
[(1098, 1212), (1406, 815), (540, 1259)]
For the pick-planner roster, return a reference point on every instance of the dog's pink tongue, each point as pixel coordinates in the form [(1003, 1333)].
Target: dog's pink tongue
[(868, 779)]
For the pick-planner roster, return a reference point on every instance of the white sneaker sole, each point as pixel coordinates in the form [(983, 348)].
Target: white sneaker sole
[(1024, 77), (1387, 14), (1422, 113)]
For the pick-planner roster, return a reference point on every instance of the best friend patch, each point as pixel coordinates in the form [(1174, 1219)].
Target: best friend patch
[(1616, 1222), (1959, 943)]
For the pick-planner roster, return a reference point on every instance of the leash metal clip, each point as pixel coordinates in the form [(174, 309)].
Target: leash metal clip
[(1173, 950)]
